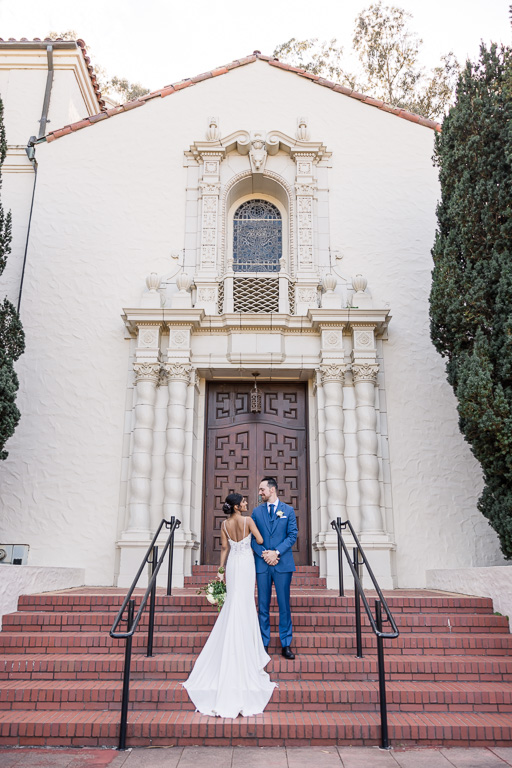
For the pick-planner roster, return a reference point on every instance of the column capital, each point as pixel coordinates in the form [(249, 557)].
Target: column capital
[(178, 372), (365, 372), (147, 372), (333, 372)]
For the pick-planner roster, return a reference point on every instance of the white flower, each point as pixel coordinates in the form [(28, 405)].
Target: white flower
[(279, 513)]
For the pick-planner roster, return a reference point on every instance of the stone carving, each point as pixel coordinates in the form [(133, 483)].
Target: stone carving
[(305, 189), (333, 372), (329, 282), (208, 188), (363, 339), (206, 294), (332, 338), (178, 339), (178, 371), (359, 283), (148, 339), (153, 282), (302, 133), (213, 133), (258, 152), (307, 295), (183, 281), (147, 372), (365, 372)]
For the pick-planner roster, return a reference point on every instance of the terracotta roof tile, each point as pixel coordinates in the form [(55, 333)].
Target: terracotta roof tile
[(80, 44), (173, 88)]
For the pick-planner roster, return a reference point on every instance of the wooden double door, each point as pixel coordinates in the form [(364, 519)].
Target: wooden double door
[(242, 447)]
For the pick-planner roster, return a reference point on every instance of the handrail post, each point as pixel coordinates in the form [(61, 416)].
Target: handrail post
[(126, 678), (357, 606), (382, 678), (340, 559), (171, 554), (152, 600)]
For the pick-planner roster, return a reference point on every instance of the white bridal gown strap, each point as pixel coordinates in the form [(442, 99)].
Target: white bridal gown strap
[(228, 678)]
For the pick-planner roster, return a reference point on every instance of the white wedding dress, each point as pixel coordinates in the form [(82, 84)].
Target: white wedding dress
[(228, 678)]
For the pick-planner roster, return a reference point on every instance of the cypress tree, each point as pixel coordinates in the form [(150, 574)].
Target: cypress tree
[(12, 339), (471, 296)]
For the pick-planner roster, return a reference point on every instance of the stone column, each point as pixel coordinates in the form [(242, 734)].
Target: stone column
[(333, 376), (374, 536), (365, 377), (146, 380), (178, 375)]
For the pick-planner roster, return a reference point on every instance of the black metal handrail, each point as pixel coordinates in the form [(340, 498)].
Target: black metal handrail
[(376, 623), (132, 622)]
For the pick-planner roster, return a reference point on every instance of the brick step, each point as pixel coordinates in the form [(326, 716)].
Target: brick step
[(201, 621), (111, 598), (309, 582), (290, 696), (177, 666), (303, 643), (83, 728)]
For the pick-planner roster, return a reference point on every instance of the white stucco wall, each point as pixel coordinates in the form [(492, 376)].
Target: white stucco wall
[(495, 583), (110, 208), (16, 580)]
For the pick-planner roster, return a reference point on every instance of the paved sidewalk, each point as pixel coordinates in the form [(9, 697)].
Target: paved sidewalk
[(257, 757)]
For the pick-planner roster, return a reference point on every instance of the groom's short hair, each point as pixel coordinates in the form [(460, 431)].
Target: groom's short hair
[(271, 482)]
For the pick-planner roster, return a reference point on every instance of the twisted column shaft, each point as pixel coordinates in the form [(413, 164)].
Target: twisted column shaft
[(147, 375), (178, 379), (332, 381), (365, 377)]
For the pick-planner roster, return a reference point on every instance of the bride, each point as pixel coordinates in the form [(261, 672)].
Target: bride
[(228, 678)]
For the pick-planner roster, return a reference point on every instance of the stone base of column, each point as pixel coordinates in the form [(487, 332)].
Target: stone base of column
[(185, 546), (133, 547), (378, 549)]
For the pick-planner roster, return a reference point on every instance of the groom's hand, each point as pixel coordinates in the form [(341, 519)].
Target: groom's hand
[(270, 556)]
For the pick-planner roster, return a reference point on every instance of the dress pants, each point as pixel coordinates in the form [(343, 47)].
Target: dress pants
[(282, 583)]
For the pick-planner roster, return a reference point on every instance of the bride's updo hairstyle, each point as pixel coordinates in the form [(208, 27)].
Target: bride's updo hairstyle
[(232, 501)]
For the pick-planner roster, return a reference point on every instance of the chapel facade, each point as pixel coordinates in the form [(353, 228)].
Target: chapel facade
[(226, 279)]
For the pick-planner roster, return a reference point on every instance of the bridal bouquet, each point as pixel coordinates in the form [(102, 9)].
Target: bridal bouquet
[(215, 592)]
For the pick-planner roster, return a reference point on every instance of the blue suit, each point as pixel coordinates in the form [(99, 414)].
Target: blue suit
[(279, 533)]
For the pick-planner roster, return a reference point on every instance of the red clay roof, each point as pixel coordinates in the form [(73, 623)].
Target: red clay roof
[(175, 87), (80, 43)]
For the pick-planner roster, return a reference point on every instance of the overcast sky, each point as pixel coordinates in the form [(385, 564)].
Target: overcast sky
[(156, 42)]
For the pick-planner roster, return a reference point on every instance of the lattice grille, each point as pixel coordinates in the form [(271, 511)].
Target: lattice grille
[(220, 298), (254, 294), (291, 297)]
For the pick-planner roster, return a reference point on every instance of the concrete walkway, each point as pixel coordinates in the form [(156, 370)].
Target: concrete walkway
[(257, 757)]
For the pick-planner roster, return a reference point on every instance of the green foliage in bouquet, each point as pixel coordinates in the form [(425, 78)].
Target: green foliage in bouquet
[(215, 592)]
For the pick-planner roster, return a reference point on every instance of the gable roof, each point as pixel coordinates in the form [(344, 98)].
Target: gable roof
[(175, 87)]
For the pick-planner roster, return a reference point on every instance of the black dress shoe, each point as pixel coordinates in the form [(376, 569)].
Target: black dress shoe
[(266, 648), (287, 652)]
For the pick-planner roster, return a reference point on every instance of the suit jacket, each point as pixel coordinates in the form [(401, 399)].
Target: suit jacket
[(281, 535)]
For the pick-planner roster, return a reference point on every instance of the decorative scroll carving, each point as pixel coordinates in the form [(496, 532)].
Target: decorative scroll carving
[(178, 371), (365, 372), (147, 372), (333, 372)]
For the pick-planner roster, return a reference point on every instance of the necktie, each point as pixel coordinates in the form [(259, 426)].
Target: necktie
[(272, 511)]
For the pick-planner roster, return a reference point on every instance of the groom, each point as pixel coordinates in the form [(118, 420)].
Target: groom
[(274, 561)]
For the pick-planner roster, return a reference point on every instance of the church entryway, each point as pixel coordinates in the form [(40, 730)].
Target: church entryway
[(242, 447)]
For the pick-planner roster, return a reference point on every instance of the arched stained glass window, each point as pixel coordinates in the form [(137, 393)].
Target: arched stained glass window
[(257, 237)]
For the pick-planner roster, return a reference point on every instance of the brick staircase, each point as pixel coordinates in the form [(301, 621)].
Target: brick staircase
[(449, 673)]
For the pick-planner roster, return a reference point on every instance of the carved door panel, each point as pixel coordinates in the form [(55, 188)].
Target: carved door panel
[(242, 447)]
